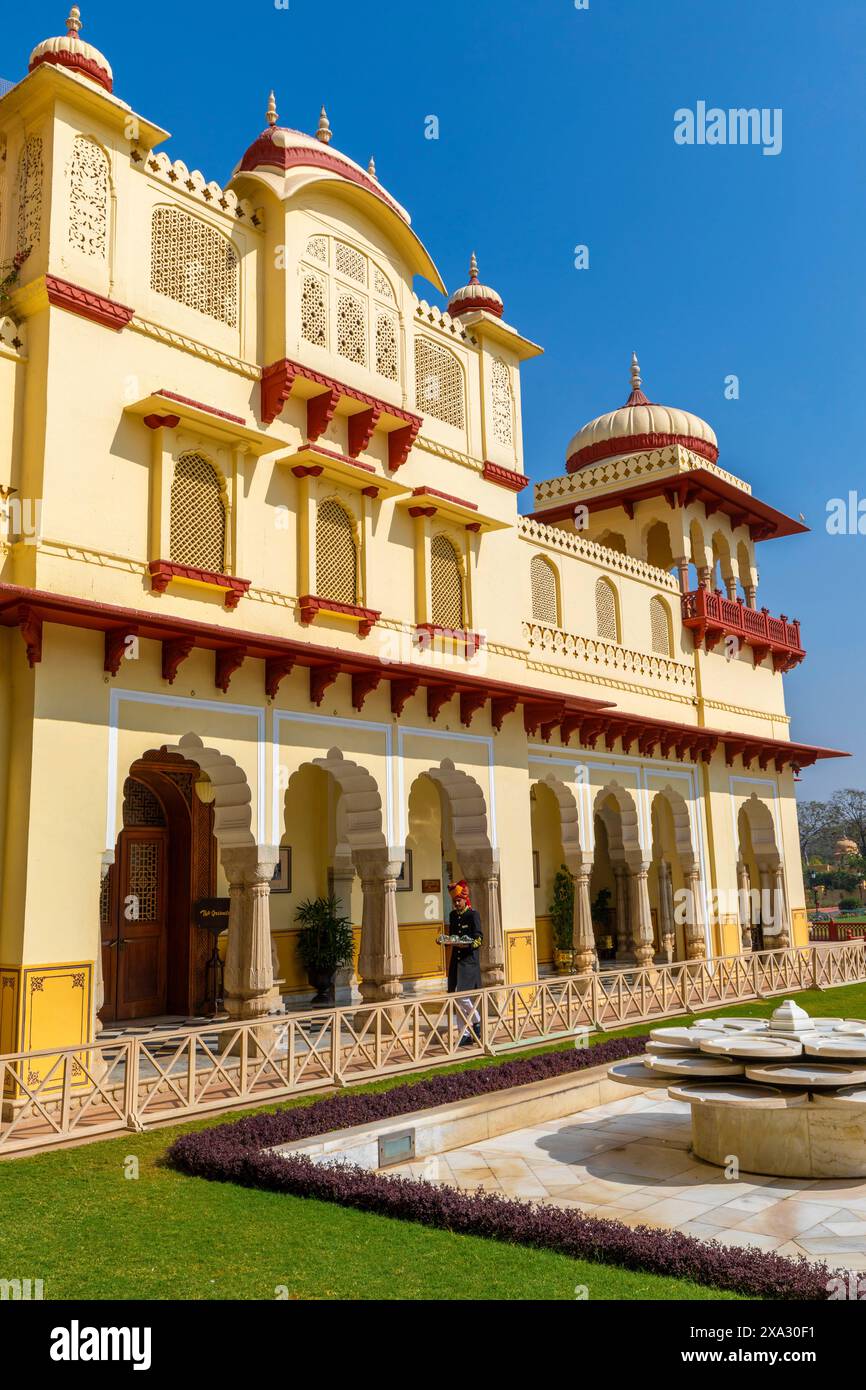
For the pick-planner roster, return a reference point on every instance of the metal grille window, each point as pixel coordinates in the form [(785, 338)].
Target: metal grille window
[(194, 265), (439, 383), (660, 627), (198, 516), (352, 329), (386, 346), (336, 554), (314, 313), (29, 194), (446, 585), (605, 612), (503, 410), (317, 247), (545, 608), (350, 263)]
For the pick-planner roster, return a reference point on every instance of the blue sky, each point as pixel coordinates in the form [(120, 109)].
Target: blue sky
[(556, 129)]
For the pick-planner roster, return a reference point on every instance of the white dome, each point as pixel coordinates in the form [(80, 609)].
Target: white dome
[(638, 425), (473, 297), (71, 52)]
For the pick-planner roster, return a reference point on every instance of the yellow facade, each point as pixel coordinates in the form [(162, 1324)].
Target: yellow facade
[(192, 373)]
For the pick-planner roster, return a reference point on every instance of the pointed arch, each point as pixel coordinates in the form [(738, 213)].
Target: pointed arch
[(569, 817), (466, 804), (232, 793), (679, 810)]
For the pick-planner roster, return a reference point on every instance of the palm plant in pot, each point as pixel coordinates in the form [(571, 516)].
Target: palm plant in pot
[(325, 943), (562, 919)]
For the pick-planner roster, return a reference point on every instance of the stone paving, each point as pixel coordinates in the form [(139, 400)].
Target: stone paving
[(630, 1161)]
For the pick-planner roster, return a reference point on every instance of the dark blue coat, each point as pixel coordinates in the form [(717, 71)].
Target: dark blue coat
[(464, 968)]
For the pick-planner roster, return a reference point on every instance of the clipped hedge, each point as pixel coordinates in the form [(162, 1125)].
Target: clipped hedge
[(237, 1152)]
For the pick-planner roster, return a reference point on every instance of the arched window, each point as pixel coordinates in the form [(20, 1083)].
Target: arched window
[(439, 383), (606, 622), (336, 553), (446, 585), (88, 199), (198, 515), (660, 627), (194, 264), (503, 406), (386, 344), (545, 599)]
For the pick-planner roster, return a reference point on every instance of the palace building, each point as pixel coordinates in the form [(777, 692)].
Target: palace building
[(272, 624)]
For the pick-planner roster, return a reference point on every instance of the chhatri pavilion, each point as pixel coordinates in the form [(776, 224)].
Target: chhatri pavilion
[(272, 624)]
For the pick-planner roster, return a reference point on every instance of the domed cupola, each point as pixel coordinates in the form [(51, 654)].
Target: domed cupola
[(475, 296), (280, 150), (69, 51), (638, 426)]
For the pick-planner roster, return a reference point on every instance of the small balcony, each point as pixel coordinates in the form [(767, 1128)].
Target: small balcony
[(711, 616)]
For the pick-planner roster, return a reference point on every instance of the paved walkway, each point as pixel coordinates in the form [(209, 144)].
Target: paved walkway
[(630, 1161)]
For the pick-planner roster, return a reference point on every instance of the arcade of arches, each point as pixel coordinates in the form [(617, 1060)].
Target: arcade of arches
[(185, 838)]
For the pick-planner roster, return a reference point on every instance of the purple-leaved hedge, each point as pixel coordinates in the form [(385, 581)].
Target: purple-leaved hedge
[(237, 1152)]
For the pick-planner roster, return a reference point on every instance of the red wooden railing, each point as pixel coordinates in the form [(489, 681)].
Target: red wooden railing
[(711, 616)]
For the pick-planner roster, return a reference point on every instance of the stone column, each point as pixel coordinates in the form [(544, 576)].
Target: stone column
[(704, 575), (780, 915), (583, 937), (623, 935), (682, 565), (696, 940), (346, 989), (380, 964), (751, 595), (766, 909), (730, 586), (249, 976), (641, 916), (481, 870), (744, 890), (666, 909)]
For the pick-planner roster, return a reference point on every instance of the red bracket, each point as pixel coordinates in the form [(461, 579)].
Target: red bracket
[(175, 650), (276, 670), (320, 678), (363, 684), (400, 441), (401, 691), (320, 412), (116, 639), (471, 701), (361, 427), (437, 696), (30, 627), (500, 706), (228, 660)]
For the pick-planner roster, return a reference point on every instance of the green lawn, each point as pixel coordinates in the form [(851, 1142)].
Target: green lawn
[(74, 1219)]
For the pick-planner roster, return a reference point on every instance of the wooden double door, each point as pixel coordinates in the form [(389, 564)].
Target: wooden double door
[(153, 953)]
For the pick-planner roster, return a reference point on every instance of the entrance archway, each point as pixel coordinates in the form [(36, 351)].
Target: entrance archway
[(154, 954), (760, 879), (674, 872)]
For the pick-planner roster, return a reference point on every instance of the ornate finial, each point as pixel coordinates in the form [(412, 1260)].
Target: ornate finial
[(272, 110), (73, 23), (371, 167), (635, 373), (473, 270), (324, 131)]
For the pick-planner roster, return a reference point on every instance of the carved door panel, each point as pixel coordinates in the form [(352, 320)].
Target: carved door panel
[(141, 942)]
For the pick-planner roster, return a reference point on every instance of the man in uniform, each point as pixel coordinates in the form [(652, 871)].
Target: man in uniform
[(464, 967)]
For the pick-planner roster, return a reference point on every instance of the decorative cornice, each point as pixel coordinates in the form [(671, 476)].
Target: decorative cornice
[(192, 183), (609, 654), (571, 543), (195, 348), (504, 477), (47, 290)]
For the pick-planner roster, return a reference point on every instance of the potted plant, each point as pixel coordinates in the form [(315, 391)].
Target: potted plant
[(562, 919), (325, 944)]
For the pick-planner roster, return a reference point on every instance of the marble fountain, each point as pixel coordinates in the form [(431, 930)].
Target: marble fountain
[(784, 1096)]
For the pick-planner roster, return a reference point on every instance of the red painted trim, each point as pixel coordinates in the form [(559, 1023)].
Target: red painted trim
[(320, 412), (321, 677), (469, 306), (157, 422), (461, 637), (312, 604), (446, 497), (200, 405), (29, 609), (162, 572), (504, 477), (711, 616), (697, 485), (87, 305), (314, 448), (264, 153), (276, 670), (636, 444), (78, 62), (279, 378), (363, 684)]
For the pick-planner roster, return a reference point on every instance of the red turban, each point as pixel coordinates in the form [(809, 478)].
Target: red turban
[(460, 890)]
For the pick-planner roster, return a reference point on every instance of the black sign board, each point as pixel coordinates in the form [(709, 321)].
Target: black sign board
[(212, 913)]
